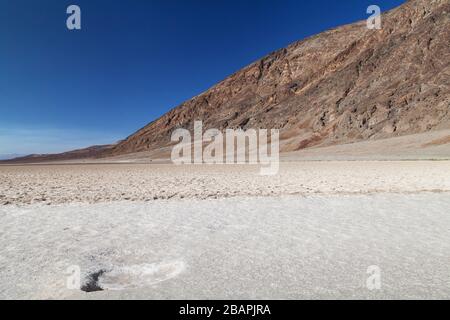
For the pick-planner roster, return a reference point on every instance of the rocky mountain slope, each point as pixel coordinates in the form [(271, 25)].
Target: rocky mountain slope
[(344, 85)]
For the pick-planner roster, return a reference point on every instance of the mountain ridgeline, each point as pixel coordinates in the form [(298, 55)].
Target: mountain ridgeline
[(345, 85)]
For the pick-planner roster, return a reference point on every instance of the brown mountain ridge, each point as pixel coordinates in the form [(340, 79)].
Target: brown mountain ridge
[(345, 85)]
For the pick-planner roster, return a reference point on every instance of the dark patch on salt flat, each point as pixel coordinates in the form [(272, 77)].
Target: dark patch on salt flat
[(91, 284)]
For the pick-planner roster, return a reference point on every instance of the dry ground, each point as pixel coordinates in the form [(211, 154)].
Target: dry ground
[(54, 184), (289, 247), (212, 232)]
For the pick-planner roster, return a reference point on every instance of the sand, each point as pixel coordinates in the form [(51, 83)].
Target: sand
[(432, 145), (225, 232)]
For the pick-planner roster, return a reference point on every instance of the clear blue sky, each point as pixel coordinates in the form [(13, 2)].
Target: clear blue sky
[(134, 60)]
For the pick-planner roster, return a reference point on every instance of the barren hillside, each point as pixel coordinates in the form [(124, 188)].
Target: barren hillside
[(344, 85)]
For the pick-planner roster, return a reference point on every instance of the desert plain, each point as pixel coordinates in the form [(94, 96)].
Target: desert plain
[(316, 230)]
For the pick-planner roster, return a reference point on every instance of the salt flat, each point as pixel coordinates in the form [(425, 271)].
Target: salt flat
[(150, 231), (316, 246), (59, 184)]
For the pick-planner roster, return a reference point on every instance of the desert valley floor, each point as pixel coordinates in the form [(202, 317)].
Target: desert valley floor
[(163, 231)]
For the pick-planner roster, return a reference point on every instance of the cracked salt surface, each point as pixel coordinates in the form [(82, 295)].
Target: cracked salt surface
[(239, 248)]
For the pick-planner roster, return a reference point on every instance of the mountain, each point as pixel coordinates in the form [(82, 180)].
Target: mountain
[(86, 153), (10, 156), (345, 85)]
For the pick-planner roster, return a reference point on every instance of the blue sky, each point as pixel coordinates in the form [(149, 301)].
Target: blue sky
[(134, 60)]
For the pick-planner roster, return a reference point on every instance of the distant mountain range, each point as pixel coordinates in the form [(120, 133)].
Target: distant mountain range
[(10, 156), (90, 152), (345, 85)]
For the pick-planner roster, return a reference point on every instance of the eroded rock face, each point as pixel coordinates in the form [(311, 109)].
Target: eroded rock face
[(343, 85)]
